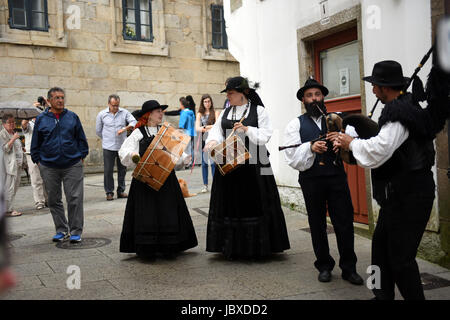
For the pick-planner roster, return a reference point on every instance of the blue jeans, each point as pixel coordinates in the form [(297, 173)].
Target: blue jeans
[(205, 162)]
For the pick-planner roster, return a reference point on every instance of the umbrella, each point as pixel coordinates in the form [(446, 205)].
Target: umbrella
[(19, 109)]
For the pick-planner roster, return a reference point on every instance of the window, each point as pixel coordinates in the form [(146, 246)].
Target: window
[(28, 14), (219, 35), (137, 20)]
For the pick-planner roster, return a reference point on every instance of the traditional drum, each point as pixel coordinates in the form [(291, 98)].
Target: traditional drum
[(161, 156), (229, 154)]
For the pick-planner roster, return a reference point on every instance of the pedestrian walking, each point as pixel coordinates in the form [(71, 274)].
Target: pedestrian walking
[(111, 126), (59, 147)]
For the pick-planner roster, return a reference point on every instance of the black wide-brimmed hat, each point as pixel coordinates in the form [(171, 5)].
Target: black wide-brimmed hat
[(387, 73), (148, 106), (311, 83), (237, 83)]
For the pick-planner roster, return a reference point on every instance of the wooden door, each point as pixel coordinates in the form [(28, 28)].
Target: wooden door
[(335, 60)]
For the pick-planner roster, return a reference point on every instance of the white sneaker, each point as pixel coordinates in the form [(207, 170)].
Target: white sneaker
[(205, 189), (40, 206)]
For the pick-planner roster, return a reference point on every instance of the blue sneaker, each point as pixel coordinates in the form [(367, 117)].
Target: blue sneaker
[(75, 238), (60, 236)]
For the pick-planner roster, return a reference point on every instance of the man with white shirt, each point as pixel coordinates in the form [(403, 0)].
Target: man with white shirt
[(323, 183), (111, 126), (37, 184), (401, 157)]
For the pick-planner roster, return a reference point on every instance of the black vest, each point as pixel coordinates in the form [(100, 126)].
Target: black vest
[(259, 153), (310, 131), (416, 153)]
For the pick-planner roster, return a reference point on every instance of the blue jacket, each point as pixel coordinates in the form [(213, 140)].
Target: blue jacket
[(187, 122), (58, 143)]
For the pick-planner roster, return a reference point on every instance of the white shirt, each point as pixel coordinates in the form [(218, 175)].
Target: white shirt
[(373, 152), (28, 133), (302, 158), (259, 136)]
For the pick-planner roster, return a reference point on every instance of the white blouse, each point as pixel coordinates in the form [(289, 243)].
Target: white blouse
[(259, 136), (373, 152), (302, 158), (131, 145)]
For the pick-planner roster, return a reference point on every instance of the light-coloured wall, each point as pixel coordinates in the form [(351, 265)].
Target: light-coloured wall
[(93, 61)]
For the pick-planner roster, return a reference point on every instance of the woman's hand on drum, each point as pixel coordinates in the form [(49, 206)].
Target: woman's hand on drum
[(240, 127), (210, 145)]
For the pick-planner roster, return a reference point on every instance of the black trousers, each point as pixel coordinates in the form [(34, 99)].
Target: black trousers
[(400, 227), (109, 157), (331, 192)]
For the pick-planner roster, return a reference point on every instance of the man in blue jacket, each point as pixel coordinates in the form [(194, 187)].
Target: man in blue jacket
[(59, 147)]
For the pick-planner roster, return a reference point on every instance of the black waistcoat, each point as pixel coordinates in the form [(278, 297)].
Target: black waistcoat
[(415, 154), (259, 153), (145, 142), (310, 131)]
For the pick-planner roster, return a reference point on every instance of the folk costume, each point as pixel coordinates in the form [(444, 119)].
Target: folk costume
[(401, 157), (245, 217), (324, 186), (155, 221)]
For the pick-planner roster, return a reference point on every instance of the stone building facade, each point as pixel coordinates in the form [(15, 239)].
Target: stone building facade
[(84, 50)]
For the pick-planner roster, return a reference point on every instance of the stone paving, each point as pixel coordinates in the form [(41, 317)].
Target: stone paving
[(42, 267)]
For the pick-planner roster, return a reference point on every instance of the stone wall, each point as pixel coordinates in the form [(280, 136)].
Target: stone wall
[(93, 61)]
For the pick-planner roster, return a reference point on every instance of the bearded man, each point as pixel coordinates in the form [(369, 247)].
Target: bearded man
[(323, 183)]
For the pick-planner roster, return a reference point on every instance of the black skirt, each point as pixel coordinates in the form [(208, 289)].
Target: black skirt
[(157, 221), (245, 216)]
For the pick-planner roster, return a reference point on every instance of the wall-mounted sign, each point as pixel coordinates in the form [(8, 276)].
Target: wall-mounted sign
[(344, 81), (324, 15)]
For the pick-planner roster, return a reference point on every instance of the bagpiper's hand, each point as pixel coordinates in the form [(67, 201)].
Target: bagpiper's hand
[(319, 147), (343, 141), (332, 136)]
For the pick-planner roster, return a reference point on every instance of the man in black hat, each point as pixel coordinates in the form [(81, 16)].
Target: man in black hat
[(324, 184), (401, 157)]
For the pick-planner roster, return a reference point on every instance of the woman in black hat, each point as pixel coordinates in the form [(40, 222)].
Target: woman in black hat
[(155, 221), (245, 217)]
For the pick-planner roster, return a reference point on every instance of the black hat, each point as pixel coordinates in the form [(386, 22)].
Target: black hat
[(311, 83), (148, 106), (387, 73), (237, 83)]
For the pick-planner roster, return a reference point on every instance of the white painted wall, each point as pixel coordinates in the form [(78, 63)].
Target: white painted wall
[(262, 36)]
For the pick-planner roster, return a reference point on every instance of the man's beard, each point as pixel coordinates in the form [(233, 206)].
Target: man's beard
[(313, 108)]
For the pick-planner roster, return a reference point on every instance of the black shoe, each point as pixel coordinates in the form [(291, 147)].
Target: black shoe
[(325, 276), (353, 278)]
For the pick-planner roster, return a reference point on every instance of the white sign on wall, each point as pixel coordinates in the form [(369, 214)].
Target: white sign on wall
[(344, 81), (324, 15)]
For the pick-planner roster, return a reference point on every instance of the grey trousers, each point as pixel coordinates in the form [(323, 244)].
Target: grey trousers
[(108, 180), (72, 180)]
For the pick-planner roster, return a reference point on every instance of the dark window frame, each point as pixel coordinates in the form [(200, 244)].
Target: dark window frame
[(28, 16), (222, 34), (137, 17)]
